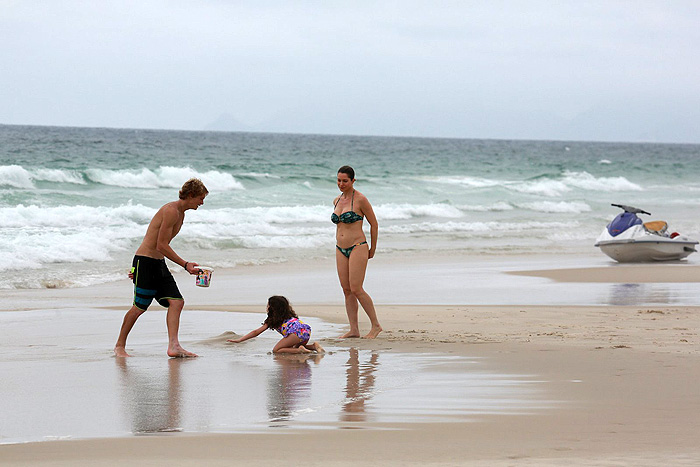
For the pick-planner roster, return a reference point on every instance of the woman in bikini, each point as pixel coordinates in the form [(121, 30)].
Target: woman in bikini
[(352, 251)]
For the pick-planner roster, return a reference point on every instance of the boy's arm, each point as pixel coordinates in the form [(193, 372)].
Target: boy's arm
[(250, 335)]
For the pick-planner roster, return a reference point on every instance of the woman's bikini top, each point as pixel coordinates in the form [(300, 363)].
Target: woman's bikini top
[(347, 217)]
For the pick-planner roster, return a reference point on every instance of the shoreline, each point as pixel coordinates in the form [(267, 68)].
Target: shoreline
[(626, 376)]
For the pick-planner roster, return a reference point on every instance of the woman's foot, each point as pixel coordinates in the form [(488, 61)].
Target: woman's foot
[(350, 334), (120, 352), (374, 332)]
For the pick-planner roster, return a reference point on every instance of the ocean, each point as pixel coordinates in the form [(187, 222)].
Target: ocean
[(75, 202)]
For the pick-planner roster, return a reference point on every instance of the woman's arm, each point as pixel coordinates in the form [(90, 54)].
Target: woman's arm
[(250, 335), (373, 225)]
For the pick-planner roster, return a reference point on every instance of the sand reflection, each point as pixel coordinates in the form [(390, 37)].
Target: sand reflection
[(151, 399), (359, 385), (289, 385)]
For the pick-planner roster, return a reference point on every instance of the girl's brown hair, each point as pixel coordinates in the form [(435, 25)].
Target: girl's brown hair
[(278, 311)]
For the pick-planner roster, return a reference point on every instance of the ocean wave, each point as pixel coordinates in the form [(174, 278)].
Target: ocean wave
[(551, 188), (258, 175), (32, 249), (574, 207), (409, 211), (272, 215), (574, 180), (264, 215), (493, 228), (163, 177), (496, 207), (75, 217), (16, 176), (547, 185), (586, 181), (284, 241), (465, 180), (59, 176)]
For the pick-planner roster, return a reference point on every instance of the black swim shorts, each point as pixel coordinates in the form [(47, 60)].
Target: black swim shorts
[(152, 279)]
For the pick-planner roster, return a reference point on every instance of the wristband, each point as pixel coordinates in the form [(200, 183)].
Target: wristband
[(185, 266)]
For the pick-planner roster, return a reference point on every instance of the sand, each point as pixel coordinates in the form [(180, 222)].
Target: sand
[(622, 379)]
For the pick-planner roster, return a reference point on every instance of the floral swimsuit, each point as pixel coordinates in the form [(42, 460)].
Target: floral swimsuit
[(296, 327)]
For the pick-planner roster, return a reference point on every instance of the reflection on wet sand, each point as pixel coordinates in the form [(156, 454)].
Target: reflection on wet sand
[(152, 400), (635, 294), (289, 383), (359, 385)]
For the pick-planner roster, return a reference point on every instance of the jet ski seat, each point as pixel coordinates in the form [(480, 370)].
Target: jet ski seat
[(656, 227)]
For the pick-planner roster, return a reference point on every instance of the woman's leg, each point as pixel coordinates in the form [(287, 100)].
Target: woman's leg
[(351, 306), (357, 266)]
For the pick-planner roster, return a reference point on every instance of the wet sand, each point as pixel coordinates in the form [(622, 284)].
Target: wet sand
[(567, 384)]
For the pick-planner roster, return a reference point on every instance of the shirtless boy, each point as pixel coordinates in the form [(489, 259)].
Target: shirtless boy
[(151, 276)]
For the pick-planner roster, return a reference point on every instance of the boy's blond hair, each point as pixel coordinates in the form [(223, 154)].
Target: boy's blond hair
[(193, 188)]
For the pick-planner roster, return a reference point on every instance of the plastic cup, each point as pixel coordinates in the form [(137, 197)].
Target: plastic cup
[(203, 276)]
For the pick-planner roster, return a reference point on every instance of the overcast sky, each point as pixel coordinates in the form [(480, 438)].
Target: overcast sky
[(594, 70)]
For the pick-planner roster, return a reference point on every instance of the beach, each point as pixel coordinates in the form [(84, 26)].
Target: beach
[(446, 383), (509, 339)]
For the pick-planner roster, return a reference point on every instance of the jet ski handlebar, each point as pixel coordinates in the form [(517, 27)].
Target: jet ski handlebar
[(630, 209)]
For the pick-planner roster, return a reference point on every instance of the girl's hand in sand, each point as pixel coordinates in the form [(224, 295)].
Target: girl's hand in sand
[(235, 341)]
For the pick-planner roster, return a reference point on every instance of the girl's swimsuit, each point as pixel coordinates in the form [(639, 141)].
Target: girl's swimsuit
[(297, 328), (348, 217)]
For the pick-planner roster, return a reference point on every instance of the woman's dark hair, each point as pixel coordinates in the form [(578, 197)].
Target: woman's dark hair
[(347, 170), (278, 311)]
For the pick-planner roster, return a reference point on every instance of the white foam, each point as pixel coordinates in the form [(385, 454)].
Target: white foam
[(259, 175), (408, 211), (263, 215), (552, 188), (604, 161), (586, 181), (284, 241), (163, 177), (475, 182), (59, 176), (75, 217), (574, 207), (490, 228), (496, 207), (15, 176)]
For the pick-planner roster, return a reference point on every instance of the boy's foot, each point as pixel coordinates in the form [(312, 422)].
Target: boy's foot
[(120, 352), (177, 351), (374, 332)]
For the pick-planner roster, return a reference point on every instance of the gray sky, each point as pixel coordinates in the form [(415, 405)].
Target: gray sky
[(594, 70)]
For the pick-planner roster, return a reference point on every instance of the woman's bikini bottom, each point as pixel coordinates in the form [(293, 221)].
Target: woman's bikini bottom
[(347, 251)]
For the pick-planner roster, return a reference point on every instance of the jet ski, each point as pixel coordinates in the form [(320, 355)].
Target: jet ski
[(627, 239)]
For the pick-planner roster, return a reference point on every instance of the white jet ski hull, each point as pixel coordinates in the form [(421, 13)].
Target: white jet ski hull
[(636, 245), (639, 252)]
